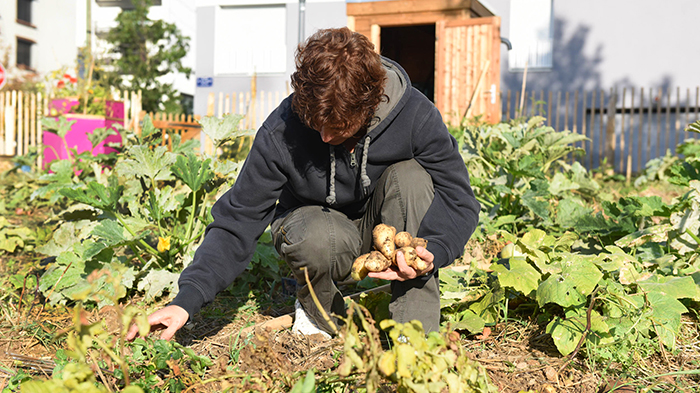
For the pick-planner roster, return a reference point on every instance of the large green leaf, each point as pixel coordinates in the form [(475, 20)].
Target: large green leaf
[(570, 212), (569, 288), (567, 332), (675, 287), (144, 162), (656, 234), (519, 275), (224, 129), (560, 184), (66, 236), (60, 126), (96, 194), (666, 317), (192, 171), (156, 282)]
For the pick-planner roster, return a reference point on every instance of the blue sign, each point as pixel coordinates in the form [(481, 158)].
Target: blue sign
[(205, 82)]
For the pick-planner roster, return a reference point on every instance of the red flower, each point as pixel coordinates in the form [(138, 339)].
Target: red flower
[(61, 84), (67, 76), (73, 80)]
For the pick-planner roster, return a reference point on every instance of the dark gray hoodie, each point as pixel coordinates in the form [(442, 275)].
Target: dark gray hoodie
[(290, 166)]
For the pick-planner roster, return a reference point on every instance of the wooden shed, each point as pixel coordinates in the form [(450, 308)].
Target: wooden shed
[(450, 49)]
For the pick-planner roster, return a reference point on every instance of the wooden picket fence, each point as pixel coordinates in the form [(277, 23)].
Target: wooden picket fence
[(254, 105), (21, 113), (625, 127)]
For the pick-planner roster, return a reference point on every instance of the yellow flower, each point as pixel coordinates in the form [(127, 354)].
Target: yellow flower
[(163, 243)]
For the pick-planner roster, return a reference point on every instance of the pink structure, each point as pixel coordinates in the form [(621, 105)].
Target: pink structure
[(77, 138)]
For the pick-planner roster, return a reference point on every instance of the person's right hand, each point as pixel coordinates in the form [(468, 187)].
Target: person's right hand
[(170, 318)]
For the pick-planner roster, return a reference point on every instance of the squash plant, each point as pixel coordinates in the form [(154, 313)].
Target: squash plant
[(142, 219)]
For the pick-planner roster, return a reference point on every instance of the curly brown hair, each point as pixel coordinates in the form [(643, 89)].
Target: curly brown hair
[(339, 81)]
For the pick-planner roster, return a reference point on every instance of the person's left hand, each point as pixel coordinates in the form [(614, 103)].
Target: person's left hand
[(401, 271)]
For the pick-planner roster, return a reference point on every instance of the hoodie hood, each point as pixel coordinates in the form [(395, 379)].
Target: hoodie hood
[(394, 90)]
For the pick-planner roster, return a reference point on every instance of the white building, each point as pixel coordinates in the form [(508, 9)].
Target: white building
[(40, 35), (239, 38), (45, 35)]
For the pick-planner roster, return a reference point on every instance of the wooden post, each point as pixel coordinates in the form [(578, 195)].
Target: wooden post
[(574, 128), (622, 131), (640, 133), (19, 135), (566, 112), (210, 104), (549, 109), (508, 106), (610, 128), (39, 132), (584, 129), (678, 139), (592, 132), (669, 147), (631, 136), (601, 132), (558, 108)]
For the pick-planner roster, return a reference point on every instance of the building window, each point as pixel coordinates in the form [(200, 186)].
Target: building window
[(250, 39), (24, 53), (24, 11), (531, 35)]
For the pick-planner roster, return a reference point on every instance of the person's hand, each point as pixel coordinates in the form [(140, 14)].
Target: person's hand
[(170, 318), (401, 271)]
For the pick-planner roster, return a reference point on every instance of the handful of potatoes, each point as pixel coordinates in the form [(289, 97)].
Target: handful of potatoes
[(387, 243)]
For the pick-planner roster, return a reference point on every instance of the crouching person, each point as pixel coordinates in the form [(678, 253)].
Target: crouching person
[(354, 146)]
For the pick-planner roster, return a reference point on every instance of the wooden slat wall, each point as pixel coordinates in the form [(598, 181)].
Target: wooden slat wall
[(625, 127), (468, 69)]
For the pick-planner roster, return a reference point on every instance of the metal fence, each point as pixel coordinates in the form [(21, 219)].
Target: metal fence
[(625, 127)]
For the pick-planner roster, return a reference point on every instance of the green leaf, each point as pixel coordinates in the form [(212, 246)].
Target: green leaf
[(468, 320), (65, 236), (567, 332), (537, 200), (306, 384), (693, 127), (192, 171), (112, 232), (519, 275), (146, 163), (60, 126), (675, 287), (570, 212), (560, 184), (656, 234), (156, 282), (97, 195), (615, 259), (666, 316), (569, 288), (224, 129), (489, 307)]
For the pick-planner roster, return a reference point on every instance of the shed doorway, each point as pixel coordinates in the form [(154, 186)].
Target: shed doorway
[(414, 48)]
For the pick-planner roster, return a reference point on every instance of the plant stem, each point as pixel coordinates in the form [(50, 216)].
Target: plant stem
[(146, 245), (188, 233), (117, 359)]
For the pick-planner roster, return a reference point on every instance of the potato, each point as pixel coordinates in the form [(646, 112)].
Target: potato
[(377, 262), (403, 239), (383, 236), (359, 271), (412, 258), (419, 241)]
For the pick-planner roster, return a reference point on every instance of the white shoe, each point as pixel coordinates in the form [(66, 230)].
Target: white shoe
[(304, 325)]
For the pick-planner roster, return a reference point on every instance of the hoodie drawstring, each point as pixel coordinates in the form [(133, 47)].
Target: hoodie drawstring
[(365, 180), (330, 199), (363, 167)]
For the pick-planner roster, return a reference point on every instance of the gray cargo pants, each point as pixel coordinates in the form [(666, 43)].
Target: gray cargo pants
[(326, 242)]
